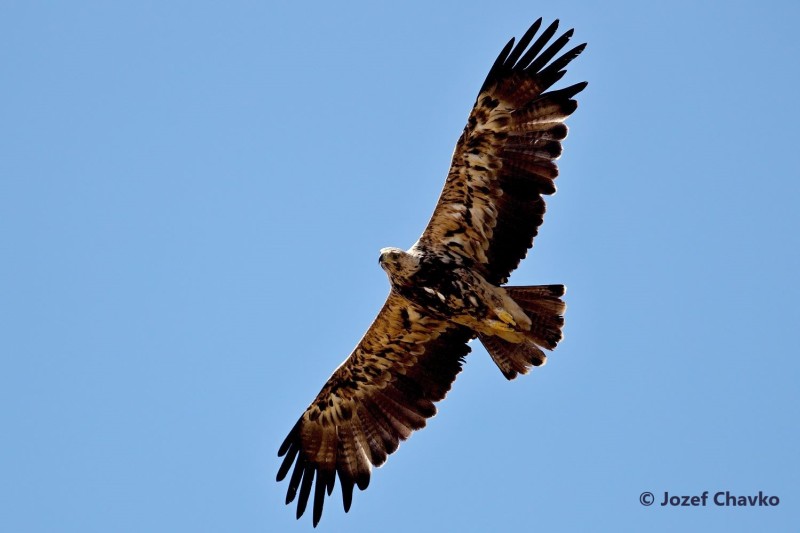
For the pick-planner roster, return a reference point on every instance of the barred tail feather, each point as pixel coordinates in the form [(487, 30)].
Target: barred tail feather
[(513, 359), (543, 305)]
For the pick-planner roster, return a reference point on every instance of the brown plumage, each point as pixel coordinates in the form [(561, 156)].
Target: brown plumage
[(446, 289)]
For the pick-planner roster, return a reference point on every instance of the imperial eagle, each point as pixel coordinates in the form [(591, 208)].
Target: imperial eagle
[(449, 287)]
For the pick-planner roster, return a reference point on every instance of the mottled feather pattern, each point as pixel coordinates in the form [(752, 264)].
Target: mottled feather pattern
[(491, 206), (486, 218), (381, 393)]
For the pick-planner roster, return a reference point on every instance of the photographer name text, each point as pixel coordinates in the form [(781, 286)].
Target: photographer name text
[(723, 498)]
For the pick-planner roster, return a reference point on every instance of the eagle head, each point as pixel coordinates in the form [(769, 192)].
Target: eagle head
[(398, 264)]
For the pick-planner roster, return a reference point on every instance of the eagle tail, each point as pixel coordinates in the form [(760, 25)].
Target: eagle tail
[(543, 305)]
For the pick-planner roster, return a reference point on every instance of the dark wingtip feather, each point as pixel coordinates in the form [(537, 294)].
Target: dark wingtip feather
[(290, 438), (305, 489), (510, 375), (497, 67), (538, 63), (363, 481), (330, 480), (319, 495), (523, 44), (578, 50), (562, 61), (536, 47), (347, 493), (294, 482), (287, 463), (569, 92), (536, 57), (549, 79)]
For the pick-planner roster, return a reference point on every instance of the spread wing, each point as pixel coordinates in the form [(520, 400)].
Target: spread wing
[(380, 394), (491, 206)]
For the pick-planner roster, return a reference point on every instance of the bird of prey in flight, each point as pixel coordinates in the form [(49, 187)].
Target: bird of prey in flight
[(450, 286)]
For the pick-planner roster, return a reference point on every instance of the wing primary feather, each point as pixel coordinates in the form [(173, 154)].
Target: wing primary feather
[(347, 493), (305, 489), (548, 81), (290, 438), (568, 92), (565, 59), (536, 47), (362, 481), (294, 482), (287, 462), (494, 72), (553, 72), (319, 494), (330, 481), (550, 53), (522, 44)]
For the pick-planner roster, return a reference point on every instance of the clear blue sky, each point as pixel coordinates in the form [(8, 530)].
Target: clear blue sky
[(192, 200)]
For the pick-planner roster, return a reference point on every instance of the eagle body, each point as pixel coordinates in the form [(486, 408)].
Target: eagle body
[(450, 287), (447, 287)]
